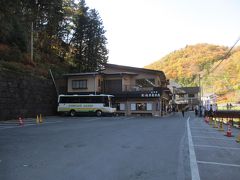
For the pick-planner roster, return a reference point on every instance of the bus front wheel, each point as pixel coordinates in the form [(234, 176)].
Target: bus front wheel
[(98, 113), (72, 113)]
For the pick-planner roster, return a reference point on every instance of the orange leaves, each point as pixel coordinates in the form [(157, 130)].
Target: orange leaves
[(186, 63)]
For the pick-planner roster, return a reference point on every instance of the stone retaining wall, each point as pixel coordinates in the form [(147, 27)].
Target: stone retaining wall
[(27, 96)]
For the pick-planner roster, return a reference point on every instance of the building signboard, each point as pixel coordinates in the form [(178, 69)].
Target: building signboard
[(150, 94)]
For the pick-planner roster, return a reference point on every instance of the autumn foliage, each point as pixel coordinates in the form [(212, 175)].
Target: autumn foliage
[(188, 64)]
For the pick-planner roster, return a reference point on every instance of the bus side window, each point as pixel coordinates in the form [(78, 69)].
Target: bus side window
[(63, 100), (106, 102)]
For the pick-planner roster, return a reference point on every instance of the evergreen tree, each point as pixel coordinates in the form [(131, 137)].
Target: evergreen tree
[(48, 17), (13, 30), (97, 51), (62, 29), (79, 39), (89, 41)]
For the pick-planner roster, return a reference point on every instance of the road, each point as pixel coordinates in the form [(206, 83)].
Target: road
[(116, 148)]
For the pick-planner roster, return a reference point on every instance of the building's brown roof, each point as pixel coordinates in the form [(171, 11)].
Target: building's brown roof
[(129, 68), (82, 74), (126, 70), (102, 73), (189, 90), (121, 73)]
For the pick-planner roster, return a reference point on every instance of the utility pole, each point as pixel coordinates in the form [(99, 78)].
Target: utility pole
[(57, 92), (32, 41), (200, 88), (95, 91)]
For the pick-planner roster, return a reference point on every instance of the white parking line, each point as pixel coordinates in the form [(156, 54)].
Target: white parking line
[(192, 156), (8, 125), (198, 128), (98, 118), (205, 132), (30, 123), (126, 118), (207, 137), (217, 147), (90, 120), (51, 122), (221, 164), (18, 126)]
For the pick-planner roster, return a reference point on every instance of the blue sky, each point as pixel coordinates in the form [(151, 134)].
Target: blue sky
[(140, 32)]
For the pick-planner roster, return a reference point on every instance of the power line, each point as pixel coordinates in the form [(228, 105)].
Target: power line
[(222, 76), (226, 55)]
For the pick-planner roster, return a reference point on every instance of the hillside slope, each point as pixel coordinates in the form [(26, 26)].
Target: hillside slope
[(185, 66)]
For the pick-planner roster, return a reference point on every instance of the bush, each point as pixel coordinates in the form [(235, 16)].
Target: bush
[(10, 53)]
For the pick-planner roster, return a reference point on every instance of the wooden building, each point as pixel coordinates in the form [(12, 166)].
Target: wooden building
[(186, 97), (136, 90)]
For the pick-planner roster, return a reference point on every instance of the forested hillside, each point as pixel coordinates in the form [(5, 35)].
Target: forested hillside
[(187, 64), (64, 35)]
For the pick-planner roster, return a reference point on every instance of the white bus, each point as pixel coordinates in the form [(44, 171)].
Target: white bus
[(98, 104)]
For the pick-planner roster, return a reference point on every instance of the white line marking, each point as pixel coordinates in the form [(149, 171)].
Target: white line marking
[(205, 137), (205, 132), (221, 164), (51, 122), (192, 156), (95, 119), (27, 124), (126, 118), (218, 147), (197, 128), (9, 125), (200, 127), (129, 118)]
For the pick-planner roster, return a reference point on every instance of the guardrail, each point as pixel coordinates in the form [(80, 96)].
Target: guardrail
[(227, 114), (231, 116)]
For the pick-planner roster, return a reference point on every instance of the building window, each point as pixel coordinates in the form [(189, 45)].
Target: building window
[(122, 107), (141, 106), (191, 95), (181, 95), (133, 107), (79, 84), (149, 107), (145, 82)]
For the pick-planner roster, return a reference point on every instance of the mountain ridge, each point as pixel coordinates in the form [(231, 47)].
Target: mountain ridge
[(186, 64)]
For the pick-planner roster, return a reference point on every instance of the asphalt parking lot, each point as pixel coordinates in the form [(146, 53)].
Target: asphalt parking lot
[(217, 156), (94, 148), (205, 150)]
